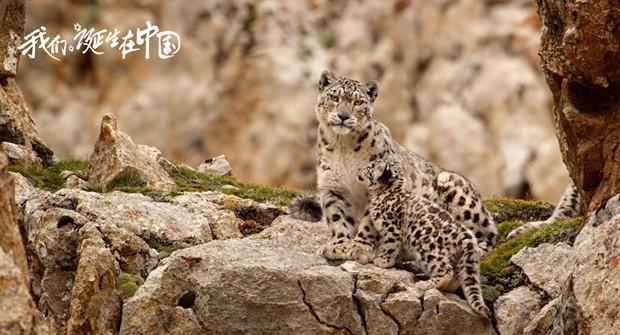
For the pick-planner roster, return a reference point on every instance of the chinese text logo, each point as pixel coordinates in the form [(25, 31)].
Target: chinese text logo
[(85, 40)]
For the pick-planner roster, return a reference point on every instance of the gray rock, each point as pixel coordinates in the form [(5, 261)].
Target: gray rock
[(547, 265), (217, 166), (275, 283), (20, 154), (515, 309)]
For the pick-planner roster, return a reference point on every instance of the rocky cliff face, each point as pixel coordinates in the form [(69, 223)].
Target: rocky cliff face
[(580, 54), (459, 84)]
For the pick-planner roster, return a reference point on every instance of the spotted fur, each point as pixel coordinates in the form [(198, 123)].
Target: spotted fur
[(414, 228), (569, 206), (349, 137)]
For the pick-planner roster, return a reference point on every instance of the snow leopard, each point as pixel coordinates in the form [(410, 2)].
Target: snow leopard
[(350, 137), (416, 229)]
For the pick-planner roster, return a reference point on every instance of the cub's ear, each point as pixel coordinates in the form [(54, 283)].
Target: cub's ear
[(327, 78), (386, 175), (372, 90)]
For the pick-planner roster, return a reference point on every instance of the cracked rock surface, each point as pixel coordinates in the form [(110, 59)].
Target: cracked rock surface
[(275, 283)]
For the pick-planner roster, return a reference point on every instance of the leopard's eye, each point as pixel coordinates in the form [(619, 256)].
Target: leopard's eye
[(358, 102), (334, 98)]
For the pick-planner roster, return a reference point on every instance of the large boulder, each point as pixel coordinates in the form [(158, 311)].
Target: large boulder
[(515, 309), (117, 159), (580, 54), (18, 313), (276, 283)]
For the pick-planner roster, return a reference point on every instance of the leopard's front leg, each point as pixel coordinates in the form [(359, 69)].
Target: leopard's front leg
[(340, 222), (390, 244), (363, 246)]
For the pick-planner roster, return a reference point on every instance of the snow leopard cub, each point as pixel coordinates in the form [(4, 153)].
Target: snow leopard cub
[(415, 228)]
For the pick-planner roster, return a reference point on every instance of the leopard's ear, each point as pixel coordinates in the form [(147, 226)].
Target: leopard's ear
[(372, 89), (326, 80), (386, 175)]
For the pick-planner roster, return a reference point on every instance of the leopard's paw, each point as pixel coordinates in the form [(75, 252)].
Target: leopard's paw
[(360, 252), (336, 250), (384, 261)]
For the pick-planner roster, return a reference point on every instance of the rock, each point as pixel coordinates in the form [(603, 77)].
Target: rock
[(515, 309), (224, 224), (578, 40), (20, 155), (95, 303), (116, 159), (18, 313), (218, 166), (12, 27), (545, 322), (237, 286), (16, 124), (590, 297), (546, 266), (11, 241), (75, 182)]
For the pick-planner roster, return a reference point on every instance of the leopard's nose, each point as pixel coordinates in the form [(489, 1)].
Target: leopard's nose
[(343, 117)]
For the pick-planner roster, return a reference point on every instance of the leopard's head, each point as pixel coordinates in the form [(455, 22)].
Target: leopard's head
[(345, 105), (379, 173)]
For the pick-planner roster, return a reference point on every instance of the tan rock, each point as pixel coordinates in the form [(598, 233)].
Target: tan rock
[(578, 39), (95, 302), (116, 157), (12, 27), (18, 313), (515, 309)]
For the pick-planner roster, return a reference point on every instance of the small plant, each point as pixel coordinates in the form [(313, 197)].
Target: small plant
[(127, 284)]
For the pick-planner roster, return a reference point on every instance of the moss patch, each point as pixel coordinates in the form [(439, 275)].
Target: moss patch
[(129, 177), (48, 177), (192, 181), (164, 249), (495, 268), (518, 209), (127, 284)]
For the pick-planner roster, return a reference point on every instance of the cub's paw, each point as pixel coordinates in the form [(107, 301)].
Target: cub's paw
[(360, 252), (384, 261), (336, 250)]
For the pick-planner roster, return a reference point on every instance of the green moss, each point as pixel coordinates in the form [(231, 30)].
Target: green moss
[(166, 248), (518, 209), (127, 284), (190, 181), (499, 258), (504, 228), (129, 177), (48, 177)]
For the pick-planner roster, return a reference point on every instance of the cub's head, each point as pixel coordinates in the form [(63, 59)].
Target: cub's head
[(345, 105), (379, 173)]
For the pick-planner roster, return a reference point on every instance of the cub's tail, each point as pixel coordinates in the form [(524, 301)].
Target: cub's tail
[(306, 207), (469, 275)]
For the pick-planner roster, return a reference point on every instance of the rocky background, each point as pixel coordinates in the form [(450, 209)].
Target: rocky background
[(460, 84)]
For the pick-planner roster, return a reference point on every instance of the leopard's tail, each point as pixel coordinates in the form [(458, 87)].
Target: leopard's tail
[(306, 207), (468, 272)]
